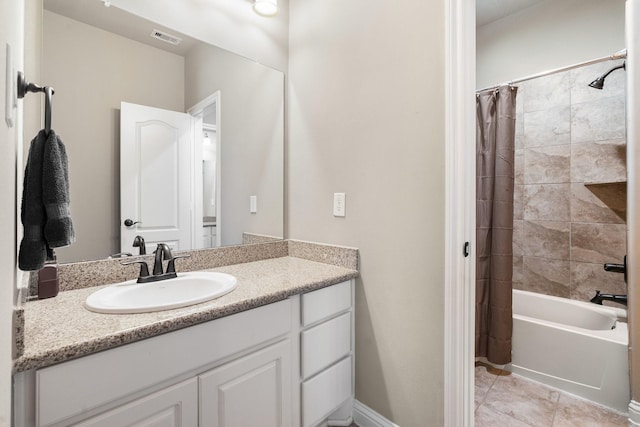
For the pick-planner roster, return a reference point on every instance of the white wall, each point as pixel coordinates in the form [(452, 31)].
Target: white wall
[(366, 117), (86, 67), (11, 32), (32, 105), (232, 25), (251, 133), (551, 34)]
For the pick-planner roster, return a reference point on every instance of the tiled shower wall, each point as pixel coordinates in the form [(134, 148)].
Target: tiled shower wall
[(570, 192)]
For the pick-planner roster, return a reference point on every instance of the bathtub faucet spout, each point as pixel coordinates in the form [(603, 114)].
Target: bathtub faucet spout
[(620, 299)]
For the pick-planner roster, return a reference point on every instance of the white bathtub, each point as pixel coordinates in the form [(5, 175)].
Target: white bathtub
[(575, 346)]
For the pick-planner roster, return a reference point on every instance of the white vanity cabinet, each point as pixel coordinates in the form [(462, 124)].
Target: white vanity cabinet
[(285, 364)]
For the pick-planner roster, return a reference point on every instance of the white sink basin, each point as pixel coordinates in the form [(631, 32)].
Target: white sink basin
[(186, 289)]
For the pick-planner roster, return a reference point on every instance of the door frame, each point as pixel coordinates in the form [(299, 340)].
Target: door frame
[(197, 111), (460, 171), (632, 34), (460, 51)]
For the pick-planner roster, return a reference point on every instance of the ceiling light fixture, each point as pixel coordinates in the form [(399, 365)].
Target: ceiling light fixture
[(266, 7)]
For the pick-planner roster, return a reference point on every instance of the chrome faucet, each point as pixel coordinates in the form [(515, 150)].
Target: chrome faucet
[(162, 253)]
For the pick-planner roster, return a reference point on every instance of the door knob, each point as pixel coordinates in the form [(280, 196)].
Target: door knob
[(128, 222)]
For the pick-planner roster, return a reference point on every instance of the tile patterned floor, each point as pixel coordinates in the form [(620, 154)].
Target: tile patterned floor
[(509, 400)]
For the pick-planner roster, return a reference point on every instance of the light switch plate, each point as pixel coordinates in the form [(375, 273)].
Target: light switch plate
[(253, 204), (339, 204)]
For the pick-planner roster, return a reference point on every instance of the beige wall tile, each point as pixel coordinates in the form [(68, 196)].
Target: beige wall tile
[(546, 276), (547, 164), (547, 92), (518, 202), (598, 243), (518, 167), (572, 134), (598, 121), (602, 161), (588, 207), (520, 99), (547, 127), (517, 272), (549, 239), (581, 77), (547, 202), (586, 278), (518, 237), (519, 141)]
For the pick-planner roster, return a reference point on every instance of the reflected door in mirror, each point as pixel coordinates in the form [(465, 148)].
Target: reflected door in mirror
[(155, 176)]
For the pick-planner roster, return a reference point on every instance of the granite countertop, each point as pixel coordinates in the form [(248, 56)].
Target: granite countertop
[(60, 329)]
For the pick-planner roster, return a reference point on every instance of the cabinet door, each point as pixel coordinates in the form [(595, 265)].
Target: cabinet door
[(254, 390), (174, 406)]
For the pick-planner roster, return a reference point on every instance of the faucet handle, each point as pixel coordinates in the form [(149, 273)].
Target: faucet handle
[(171, 267), (144, 268)]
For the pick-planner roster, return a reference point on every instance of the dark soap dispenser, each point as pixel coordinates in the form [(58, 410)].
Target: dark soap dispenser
[(48, 283)]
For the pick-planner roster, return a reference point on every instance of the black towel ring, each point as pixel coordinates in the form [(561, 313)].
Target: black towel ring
[(25, 87), (48, 90)]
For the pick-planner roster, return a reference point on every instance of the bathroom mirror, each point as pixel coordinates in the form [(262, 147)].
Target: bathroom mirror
[(97, 57)]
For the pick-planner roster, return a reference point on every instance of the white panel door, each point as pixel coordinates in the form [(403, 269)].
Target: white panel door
[(155, 177), (175, 406), (252, 391)]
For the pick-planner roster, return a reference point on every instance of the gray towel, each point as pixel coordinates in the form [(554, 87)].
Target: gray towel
[(58, 230), (33, 248), (45, 202)]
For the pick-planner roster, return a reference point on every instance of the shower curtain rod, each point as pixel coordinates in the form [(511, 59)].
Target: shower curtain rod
[(621, 54)]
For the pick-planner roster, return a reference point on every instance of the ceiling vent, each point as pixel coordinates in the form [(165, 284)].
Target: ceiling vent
[(167, 38)]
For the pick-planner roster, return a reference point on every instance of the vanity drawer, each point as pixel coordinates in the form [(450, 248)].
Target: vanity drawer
[(325, 344), (324, 303), (323, 393)]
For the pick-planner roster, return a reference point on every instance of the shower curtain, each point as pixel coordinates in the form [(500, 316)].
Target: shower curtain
[(495, 140)]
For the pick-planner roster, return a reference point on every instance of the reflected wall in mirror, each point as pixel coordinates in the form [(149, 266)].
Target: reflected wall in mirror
[(97, 57)]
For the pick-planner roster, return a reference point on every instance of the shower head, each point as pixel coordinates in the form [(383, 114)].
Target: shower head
[(599, 82)]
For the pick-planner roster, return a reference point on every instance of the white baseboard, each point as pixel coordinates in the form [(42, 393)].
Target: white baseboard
[(364, 416), (634, 414), (340, 423), (343, 416)]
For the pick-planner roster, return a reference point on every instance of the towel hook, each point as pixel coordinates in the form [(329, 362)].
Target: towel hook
[(25, 87)]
